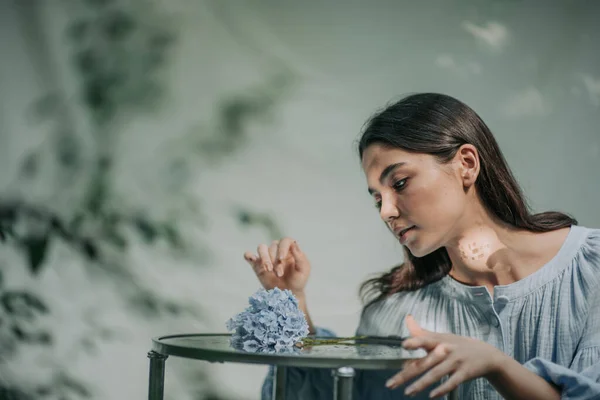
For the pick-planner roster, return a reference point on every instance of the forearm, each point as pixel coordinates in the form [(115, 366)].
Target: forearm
[(302, 305), (515, 382)]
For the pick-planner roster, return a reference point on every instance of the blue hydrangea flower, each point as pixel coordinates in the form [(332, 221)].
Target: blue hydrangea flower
[(273, 322)]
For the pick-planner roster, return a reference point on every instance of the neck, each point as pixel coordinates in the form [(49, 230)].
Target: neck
[(487, 252)]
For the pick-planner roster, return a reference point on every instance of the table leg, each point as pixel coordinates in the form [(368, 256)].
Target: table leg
[(156, 383), (279, 383), (343, 383)]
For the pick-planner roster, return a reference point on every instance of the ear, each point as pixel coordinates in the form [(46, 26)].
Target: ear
[(467, 160)]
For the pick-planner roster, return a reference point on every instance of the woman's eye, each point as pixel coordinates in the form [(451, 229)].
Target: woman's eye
[(399, 185)]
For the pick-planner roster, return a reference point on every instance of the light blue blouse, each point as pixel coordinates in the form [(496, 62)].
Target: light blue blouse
[(548, 321)]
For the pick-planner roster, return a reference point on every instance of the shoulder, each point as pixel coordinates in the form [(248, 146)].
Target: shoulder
[(578, 264), (587, 258), (591, 242)]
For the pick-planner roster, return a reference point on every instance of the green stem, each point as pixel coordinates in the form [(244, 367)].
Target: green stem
[(339, 341)]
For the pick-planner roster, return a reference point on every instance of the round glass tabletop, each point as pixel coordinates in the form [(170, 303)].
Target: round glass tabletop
[(367, 353)]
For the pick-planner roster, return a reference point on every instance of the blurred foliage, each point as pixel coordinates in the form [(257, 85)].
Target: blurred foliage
[(236, 114), (10, 393), (247, 217), (33, 227), (119, 49), (19, 311), (63, 387), (119, 52)]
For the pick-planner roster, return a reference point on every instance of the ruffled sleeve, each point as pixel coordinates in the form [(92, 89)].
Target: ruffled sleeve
[(581, 380)]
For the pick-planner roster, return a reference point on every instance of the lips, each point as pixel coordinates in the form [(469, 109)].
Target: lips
[(401, 231)]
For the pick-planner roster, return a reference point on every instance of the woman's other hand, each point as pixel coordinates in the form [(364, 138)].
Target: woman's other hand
[(460, 358)]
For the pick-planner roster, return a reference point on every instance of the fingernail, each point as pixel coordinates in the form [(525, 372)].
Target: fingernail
[(389, 383), (280, 273), (409, 391)]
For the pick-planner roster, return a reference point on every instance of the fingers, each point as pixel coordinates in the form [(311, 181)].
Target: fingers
[(420, 338), (428, 343), (452, 383), (417, 367), (265, 258), (299, 257), (402, 376), (273, 251), (255, 262), (276, 256), (251, 258), (413, 327), (434, 375), (283, 251)]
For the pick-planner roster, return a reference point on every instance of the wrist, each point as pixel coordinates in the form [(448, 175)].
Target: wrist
[(497, 362), (299, 295)]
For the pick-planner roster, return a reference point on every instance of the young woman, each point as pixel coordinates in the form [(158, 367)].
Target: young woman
[(505, 303)]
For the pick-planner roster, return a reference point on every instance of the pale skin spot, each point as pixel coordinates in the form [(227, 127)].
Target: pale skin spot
[(475, 251)]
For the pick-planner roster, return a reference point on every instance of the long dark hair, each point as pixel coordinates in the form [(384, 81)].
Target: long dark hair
[(439, 125)]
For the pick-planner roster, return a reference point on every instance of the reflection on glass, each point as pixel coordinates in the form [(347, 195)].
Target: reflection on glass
[(253, 346)]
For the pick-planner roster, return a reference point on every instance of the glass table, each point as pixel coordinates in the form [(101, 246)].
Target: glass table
[(342, 359)]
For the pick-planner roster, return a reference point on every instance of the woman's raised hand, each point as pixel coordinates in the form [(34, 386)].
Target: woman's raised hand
[(282, 265)]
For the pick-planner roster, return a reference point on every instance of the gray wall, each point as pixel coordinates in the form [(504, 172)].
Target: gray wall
[(258, 109)]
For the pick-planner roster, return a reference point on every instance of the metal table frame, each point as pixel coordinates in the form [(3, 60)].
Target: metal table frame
[(343, 376)]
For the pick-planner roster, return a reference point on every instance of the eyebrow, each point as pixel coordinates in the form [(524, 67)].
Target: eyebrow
[(387, 171)]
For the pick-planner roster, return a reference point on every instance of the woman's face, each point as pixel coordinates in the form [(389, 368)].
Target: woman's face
[(419, 199)]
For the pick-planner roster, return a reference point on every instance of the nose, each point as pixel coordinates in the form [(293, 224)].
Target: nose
[(388, 211)]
